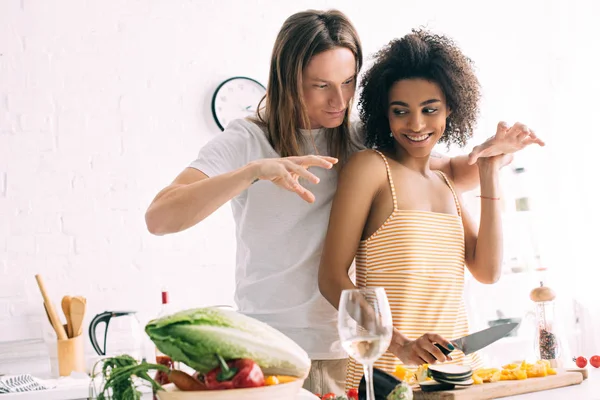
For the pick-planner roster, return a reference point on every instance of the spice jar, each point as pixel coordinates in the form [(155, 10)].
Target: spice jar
[(547, 344)]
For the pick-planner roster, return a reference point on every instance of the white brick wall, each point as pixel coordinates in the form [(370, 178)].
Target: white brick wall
[(102, 103)]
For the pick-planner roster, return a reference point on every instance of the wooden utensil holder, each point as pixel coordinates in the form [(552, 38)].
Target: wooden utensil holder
[(70, 355)]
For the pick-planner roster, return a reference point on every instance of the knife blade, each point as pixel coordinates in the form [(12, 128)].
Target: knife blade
[(478, 340)]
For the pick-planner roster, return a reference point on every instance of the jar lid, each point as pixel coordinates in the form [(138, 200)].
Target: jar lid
[(542, 293)]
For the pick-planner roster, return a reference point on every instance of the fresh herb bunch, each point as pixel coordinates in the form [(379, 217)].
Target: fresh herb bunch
[(118, 375)]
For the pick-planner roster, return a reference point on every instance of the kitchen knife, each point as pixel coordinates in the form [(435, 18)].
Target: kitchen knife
[(478, 340)]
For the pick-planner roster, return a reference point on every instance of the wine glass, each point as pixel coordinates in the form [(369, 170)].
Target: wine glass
[(365, 327)]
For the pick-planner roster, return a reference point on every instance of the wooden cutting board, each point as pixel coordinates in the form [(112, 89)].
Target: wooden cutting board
[(503, 388)]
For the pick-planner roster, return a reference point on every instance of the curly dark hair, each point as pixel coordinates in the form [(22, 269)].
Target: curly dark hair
[(420, 54)]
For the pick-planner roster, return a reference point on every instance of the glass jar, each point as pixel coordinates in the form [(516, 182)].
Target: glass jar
[(547, 343)]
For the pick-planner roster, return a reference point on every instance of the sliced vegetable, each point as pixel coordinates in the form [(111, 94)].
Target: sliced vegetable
[(514, 371), (285, 378), (422, 373), (278, 379), (195, 336), (271, 380)]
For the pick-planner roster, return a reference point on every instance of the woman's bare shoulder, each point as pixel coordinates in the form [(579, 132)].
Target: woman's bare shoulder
[(365, 165), (366, 158)]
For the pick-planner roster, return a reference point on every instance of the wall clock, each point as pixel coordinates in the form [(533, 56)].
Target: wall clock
[(234, 98)]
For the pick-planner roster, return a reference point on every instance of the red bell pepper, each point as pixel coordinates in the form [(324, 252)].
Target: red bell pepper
[(235, 374)]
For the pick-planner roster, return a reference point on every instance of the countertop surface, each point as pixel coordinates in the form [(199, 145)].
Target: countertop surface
[(78, 389)]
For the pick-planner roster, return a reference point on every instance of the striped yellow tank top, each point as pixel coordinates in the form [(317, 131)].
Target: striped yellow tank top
[(419, 258)]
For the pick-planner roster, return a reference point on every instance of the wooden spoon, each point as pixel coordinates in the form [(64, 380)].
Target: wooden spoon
[(66, 307), (78, 305)]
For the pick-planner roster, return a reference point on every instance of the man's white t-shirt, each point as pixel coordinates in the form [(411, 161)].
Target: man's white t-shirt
[(279, 240)]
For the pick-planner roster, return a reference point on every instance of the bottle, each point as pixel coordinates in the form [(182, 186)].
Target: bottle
[(547, 343), (161, 358)]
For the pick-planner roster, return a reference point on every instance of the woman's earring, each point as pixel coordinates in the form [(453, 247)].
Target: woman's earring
[(391, 134)]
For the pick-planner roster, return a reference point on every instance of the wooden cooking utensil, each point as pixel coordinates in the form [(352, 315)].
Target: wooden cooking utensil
[(66, 307), (56, 324), (78, 305), (48, 315)]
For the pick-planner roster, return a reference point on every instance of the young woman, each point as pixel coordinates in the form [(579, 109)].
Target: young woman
[(281, 209), (401, 218)]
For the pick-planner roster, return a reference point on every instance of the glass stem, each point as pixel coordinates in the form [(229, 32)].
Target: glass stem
[(368, 368)]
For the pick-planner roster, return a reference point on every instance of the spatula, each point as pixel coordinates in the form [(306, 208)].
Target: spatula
[(78, 305), (66, 307)]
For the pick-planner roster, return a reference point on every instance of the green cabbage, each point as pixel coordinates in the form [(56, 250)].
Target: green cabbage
[(195, 336)]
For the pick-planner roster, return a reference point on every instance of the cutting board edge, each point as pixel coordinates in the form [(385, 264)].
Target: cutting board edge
[(582, 371), (577, 380)]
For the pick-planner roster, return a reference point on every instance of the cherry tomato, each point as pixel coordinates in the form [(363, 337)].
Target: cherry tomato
[(595, 361), (353, 394), (580, 361)]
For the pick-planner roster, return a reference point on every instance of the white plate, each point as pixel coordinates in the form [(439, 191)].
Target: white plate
[(430, 386), (283, 391)]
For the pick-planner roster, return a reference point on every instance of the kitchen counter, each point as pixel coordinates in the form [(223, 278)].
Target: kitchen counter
[(71, 389), (589, 389)]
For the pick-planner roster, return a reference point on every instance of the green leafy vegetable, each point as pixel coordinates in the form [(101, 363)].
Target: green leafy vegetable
[(118, 378), (195, 336)]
